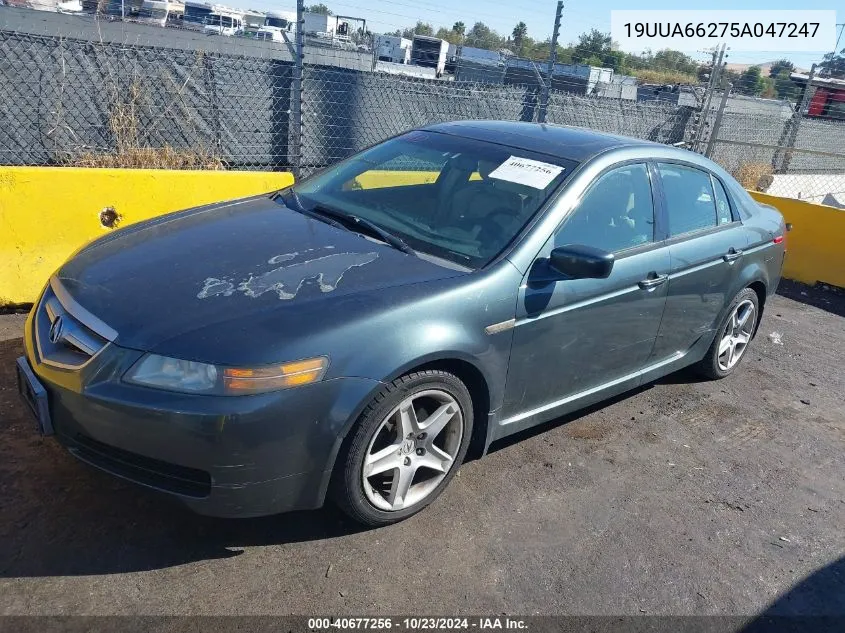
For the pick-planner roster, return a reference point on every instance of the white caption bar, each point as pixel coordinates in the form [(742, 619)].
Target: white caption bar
[(795, 31)]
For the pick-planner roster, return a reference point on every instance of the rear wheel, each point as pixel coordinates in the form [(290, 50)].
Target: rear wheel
[(405, 448), (733, 336)]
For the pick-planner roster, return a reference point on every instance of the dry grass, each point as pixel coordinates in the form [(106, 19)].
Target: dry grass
[(150, 158), (664, 77), (756, 176), (131, 153)]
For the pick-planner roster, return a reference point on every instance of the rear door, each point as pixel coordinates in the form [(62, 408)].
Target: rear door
[(706, 242)]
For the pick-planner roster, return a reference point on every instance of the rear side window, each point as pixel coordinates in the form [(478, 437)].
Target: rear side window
[(723, 205), (690, 202)]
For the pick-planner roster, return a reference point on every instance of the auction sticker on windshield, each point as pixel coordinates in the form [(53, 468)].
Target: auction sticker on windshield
[(524, 171)]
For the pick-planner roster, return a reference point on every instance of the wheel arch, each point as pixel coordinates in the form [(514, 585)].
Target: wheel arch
[(456, 363), (755, 276), (759, 287)]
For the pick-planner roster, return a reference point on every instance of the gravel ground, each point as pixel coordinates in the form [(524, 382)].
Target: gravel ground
[(684, 497)]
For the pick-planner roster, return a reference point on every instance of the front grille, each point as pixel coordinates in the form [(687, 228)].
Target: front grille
[(180, 480), (62, 339)]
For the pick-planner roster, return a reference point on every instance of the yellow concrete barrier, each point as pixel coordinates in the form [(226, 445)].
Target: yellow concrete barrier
[(47, 213), (815, 247)]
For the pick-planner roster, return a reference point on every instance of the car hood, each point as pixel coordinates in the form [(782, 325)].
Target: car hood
[(229, 267)]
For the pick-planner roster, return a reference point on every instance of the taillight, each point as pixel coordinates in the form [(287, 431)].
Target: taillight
[(778, 239)]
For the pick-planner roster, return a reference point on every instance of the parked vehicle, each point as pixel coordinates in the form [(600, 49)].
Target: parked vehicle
[(431, 52), (278, 25), (221, 22), (392, 48), (158, 12), (355, 335)]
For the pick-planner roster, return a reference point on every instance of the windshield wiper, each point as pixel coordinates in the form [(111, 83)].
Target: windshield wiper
[(343, 220), (370, 227), (290, 196)]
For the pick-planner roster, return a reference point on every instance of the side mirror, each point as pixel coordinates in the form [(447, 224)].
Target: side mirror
[(581, 262)]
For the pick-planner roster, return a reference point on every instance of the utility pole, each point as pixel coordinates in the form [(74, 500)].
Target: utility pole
[(296, 106), (546, 86), (712, 84), (544, 100), (783, 157), (544, 104), (726, 91)]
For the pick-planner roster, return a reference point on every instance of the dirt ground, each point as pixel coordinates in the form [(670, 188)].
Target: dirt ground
[(684, 497)]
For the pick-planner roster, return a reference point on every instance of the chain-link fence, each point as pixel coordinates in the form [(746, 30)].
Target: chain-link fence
[(75, 90), (105, 97), (781, 131)]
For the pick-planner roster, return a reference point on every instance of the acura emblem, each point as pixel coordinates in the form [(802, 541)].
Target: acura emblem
[(56, 330)]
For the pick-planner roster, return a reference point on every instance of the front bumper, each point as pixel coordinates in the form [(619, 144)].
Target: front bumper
[(228, 456)]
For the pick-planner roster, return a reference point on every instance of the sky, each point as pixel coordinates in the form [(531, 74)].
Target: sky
[(578, 16)]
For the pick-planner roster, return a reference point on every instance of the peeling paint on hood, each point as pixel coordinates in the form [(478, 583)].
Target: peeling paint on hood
[(210, 279), (286, 280)]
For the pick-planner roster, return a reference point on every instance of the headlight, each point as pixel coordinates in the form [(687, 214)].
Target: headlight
[(187, 376)]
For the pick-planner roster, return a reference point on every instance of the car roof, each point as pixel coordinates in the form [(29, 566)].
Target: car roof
[(572, 143)]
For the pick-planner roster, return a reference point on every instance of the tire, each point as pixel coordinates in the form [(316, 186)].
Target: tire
[(384, 494), (746, 308)]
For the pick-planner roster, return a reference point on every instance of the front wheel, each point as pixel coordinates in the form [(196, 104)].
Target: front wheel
[(733, 336), (405, 448)]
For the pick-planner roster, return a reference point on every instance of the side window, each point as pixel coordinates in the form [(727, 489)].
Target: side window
[(723, 205), (616, 212), (689, 198)]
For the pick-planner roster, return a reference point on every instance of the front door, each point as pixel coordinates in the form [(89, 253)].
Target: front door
[(573, 338), (706, 241)]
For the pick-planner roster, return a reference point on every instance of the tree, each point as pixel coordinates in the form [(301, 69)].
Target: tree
[(596, 49), (730, 77), (781, 65), (421, 28), (450, 36), (459, 28), (482, 36), (751, 81), (520, 32), (785, 88), (768, 90), (668, 59), (593, 44), (833, 65), (319, 8)]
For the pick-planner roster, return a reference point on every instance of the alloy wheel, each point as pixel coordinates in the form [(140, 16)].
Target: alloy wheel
[(736, 335), (412, 450)]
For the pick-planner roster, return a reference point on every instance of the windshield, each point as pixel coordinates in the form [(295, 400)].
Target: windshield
[(277, 22), (452, 197), (218, 20)]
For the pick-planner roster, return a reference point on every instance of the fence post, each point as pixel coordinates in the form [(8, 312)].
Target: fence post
[(791, 129), (295, 153), (712, 83), (547, 86), (459, 51), (726, 90)]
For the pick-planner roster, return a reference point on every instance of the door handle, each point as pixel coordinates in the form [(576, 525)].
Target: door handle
[(732, 255), (649, 283)]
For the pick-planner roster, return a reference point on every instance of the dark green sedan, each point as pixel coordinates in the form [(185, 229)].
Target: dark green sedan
[(354, 336)]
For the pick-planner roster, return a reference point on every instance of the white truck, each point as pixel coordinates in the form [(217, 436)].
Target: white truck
[(392, 48), (277, 25), (430, 52), (319, 23)]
